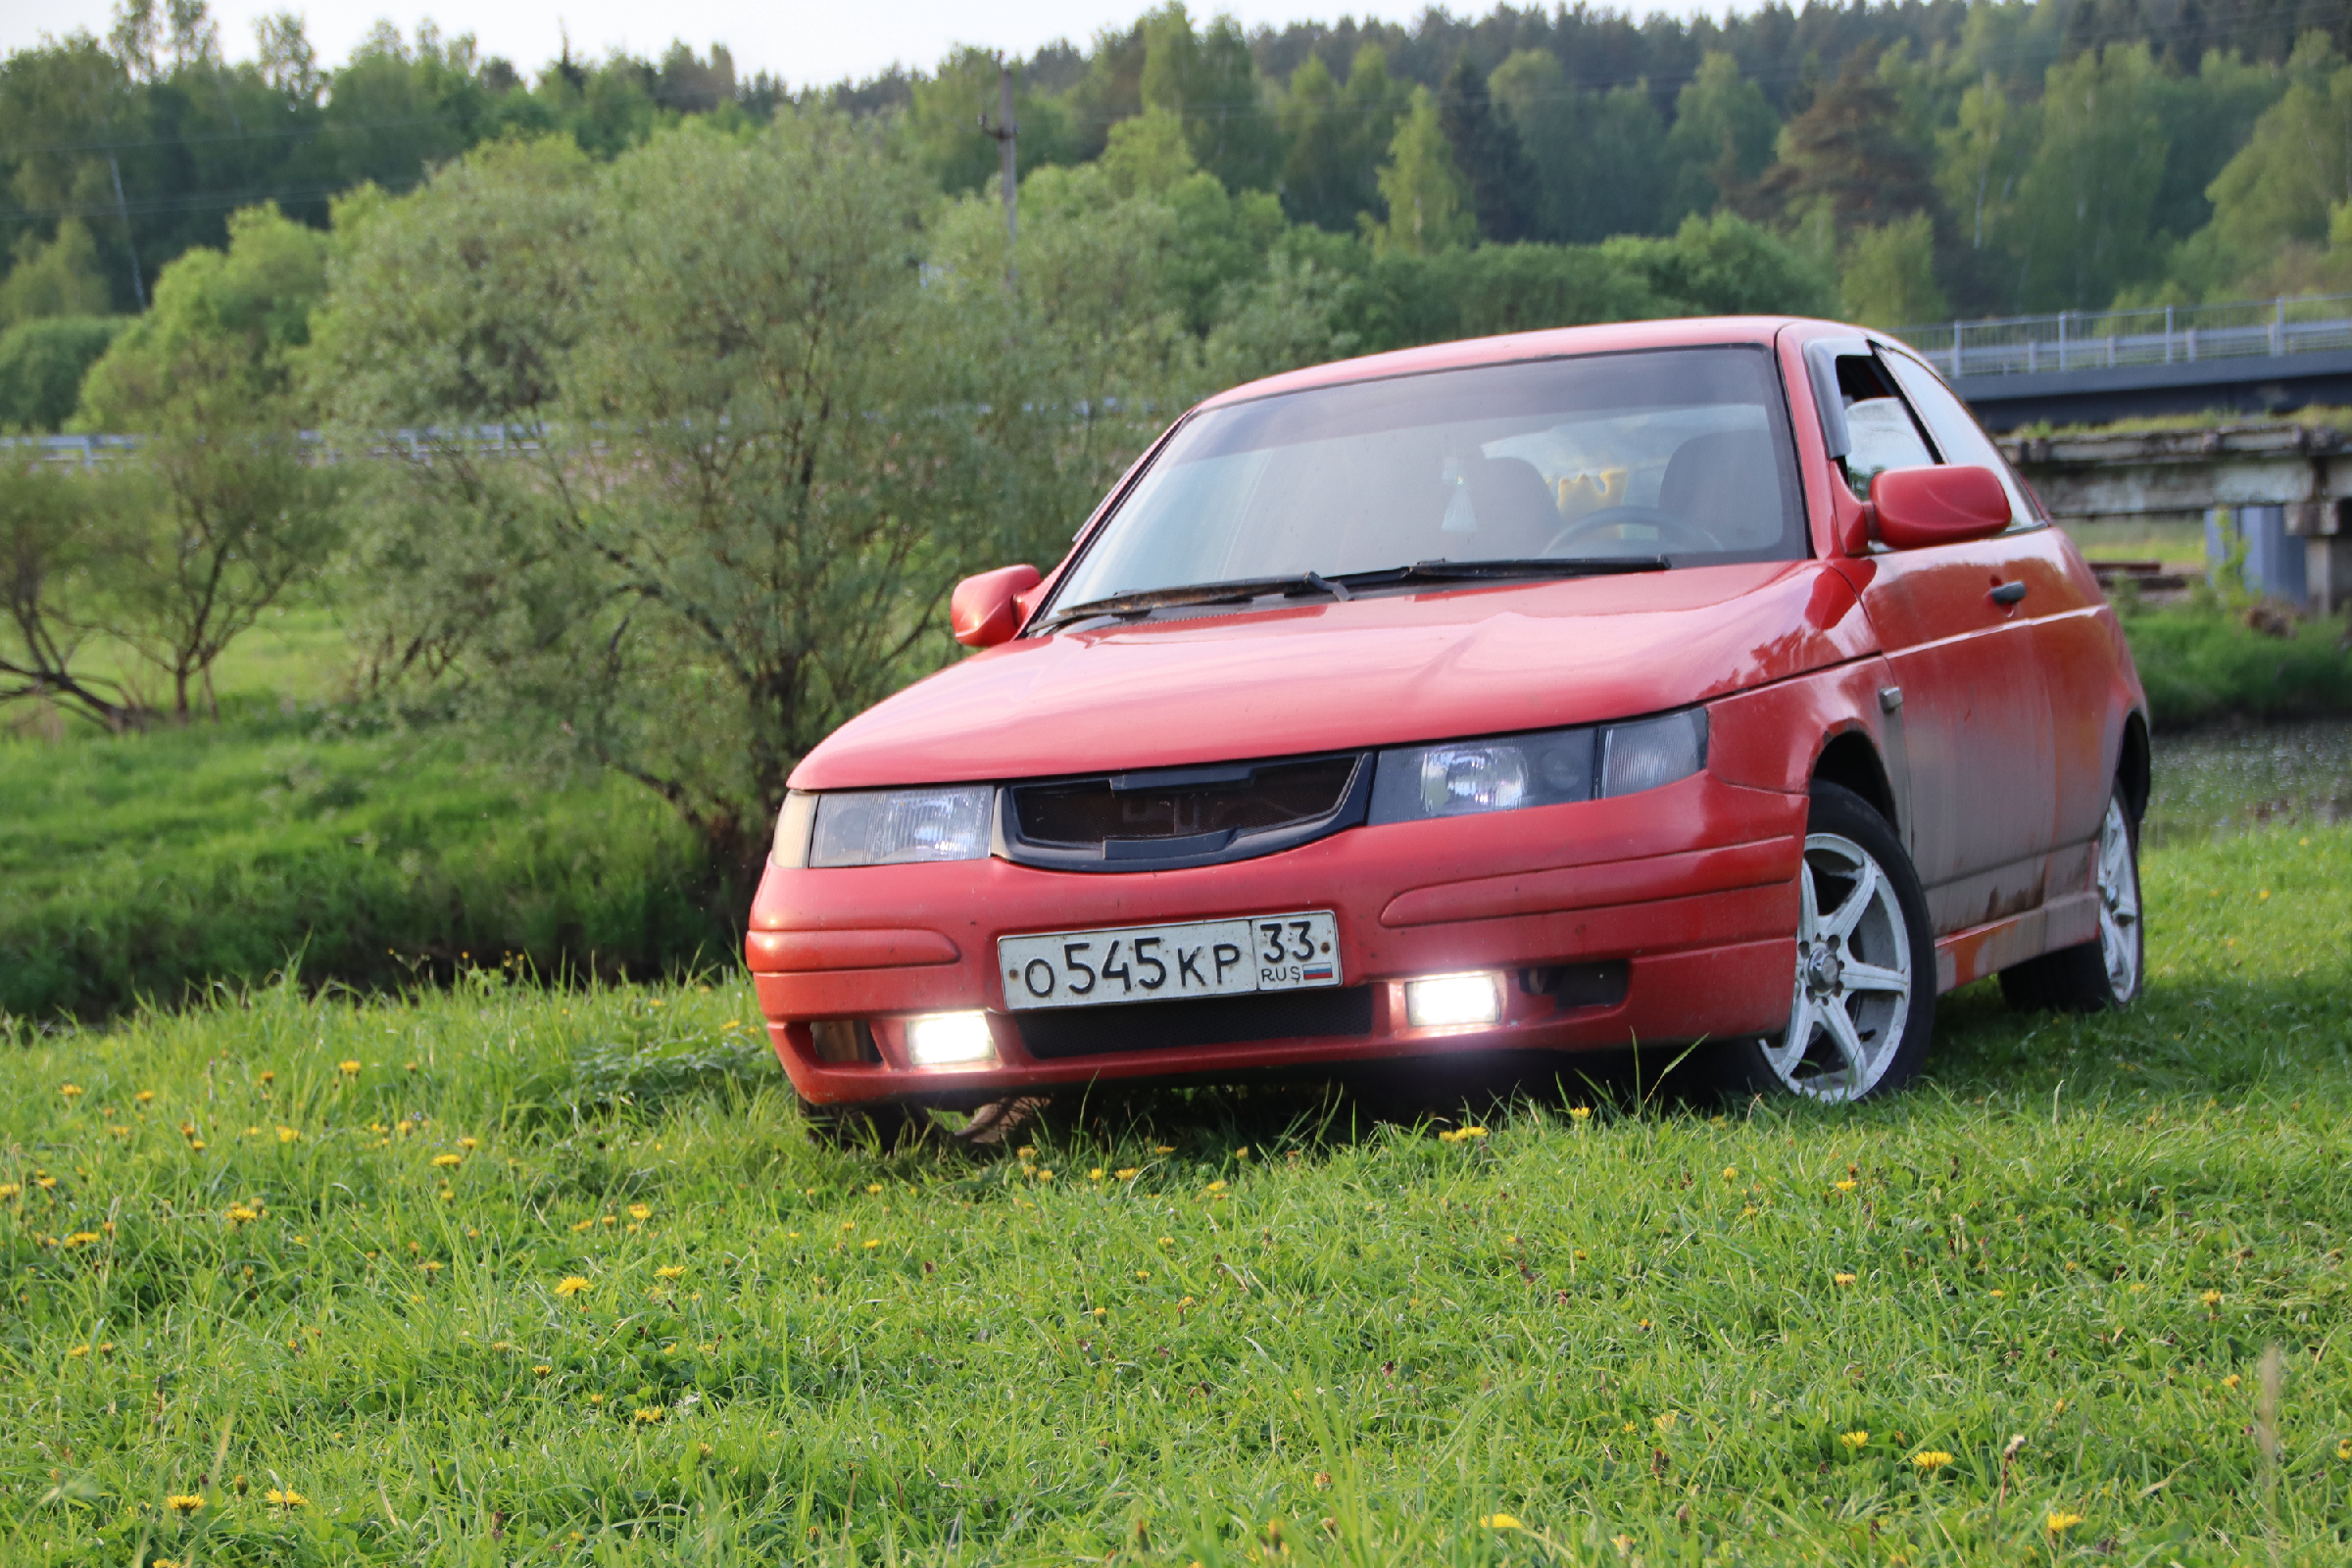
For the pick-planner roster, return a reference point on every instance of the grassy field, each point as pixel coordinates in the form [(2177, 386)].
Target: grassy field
[(142, 865), (497, 1274)]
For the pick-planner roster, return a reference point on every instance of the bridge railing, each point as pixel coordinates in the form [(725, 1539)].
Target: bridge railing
[(2162, 335)]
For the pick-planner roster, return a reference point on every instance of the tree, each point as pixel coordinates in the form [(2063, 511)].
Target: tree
[(1335, 136), (942, 128), (1427, 201), (2280, 187), (1593, 156), (1721, 140), (42, 362), (752, 470), (1978, 158), (1209, 81), (207, 377), (1890, 275), (62, 533), (2083, 201), (1487, 152), (59, 277), (1725, 265), (1848, 157)]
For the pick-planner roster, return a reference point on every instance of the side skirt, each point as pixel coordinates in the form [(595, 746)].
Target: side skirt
[(1982, 950)]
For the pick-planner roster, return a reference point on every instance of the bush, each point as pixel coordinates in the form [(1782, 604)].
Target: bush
[(42, 363), (2202, 664)]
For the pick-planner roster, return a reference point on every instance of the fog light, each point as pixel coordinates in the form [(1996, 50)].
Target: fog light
[(1445, 1001), (945, 1039)]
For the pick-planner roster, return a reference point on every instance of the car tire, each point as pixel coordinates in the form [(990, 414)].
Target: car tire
[(1864, 1004), (2105, 974)]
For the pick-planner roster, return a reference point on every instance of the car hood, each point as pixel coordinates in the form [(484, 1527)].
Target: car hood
[(1377, 671)]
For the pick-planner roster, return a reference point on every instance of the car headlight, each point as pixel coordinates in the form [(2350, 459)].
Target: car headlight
[(1462, 778), (893, 827)]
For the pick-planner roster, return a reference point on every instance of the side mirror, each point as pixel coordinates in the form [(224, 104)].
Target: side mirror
[(1919, 507), (981, 612)]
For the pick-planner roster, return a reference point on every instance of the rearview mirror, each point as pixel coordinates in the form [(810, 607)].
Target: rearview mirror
[(981, 612), (1944, 506)]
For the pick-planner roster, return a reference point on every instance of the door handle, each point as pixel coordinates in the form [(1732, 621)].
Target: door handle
[(2009, 593)]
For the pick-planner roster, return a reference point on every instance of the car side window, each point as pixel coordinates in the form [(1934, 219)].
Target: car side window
[(1880, 430), (1958, 435)]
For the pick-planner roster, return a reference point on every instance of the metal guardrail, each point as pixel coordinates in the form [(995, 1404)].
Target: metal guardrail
[(88, 451), (2165, 334)]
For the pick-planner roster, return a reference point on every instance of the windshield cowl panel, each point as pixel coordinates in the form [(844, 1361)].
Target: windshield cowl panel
[(1311, 675), (1598, 462)]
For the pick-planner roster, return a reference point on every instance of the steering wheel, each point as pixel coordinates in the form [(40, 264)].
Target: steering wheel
[(1677, 534)]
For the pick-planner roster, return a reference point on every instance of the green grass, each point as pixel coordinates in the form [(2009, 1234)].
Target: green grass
[(2081, 1233), (146, 865), (2203, 666)]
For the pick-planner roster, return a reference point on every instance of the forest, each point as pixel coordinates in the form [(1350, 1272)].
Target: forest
[(1900, 163)]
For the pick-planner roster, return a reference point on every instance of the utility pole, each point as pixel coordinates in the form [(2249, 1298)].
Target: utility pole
[(1006, 132)]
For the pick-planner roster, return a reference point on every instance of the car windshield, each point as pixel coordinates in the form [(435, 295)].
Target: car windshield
[(1674, 457)]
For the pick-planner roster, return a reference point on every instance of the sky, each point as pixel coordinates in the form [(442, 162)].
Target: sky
[(804, 41)]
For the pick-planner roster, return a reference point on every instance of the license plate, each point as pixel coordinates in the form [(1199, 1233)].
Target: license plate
[(1170, 962)]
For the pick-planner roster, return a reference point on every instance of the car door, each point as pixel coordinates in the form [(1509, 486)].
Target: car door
[(2064, 611), (1975, 708)]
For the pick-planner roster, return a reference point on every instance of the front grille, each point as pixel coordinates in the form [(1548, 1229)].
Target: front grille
[(1172, 817), (1182, 804), (1341, 1011)]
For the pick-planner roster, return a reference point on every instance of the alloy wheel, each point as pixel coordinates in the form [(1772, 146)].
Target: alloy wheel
[(1853, 975), (2119, 905)]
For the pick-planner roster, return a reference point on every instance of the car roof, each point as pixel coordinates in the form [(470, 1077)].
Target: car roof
[(1553, 343)]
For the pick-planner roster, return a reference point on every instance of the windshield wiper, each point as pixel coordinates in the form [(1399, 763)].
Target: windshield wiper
[(1529, 567), (1240, 590)]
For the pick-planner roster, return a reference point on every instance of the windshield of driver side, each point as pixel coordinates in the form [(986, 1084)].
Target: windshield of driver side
[(1674, 454)]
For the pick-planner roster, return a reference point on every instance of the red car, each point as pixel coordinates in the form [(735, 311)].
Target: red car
[(1683, 681)]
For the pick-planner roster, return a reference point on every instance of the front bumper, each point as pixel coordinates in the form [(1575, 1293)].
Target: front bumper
[(1691, 888)]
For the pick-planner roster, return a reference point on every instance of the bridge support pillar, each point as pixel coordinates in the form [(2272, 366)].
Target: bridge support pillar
[(2327, 553)]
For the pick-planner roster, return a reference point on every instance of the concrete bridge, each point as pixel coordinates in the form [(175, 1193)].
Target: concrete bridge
[(2251, 357), (2284, 491)]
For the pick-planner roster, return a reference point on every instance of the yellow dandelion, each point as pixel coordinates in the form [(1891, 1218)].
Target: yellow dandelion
[(1930, 1461), (240, 1215), (2211, 1299), (1730, 1173), (571, 1285), (82, 1238), (348, 1068), (649, 1413), (69, 1091), (1843, 1184), (1127, 1173), (429, 1267), (1163, 1149), (872, 1242), (1579, 1113), (2231, 1381), (163, 1562), (9, 1189), (2343, 1449), (268, 1077), (669, 1271), (1216, 1187), (288, 1135), (184, 1501), (541, 1370), (641, 1212), (1241, 1152), (1097, 1174), (1854, 1439), (1499, 1521), (1143, 1273), (584, 1225), (75, 1352), (1167, 1241), (596, 1398), (469, 1142), (288, 1498), (145, 1097), (2060, 1523), (448, 1161)]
